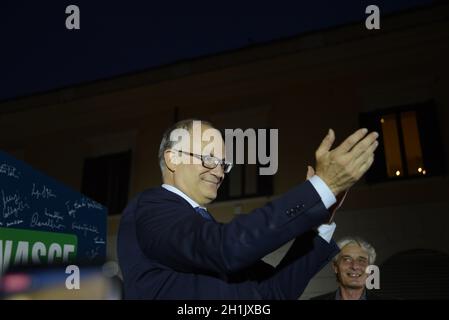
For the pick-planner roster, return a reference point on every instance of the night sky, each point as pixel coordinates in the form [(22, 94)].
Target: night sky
[(38, 54)]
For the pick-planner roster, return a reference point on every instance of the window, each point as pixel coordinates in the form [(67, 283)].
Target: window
[(244, 180), (410, 142), (106, 180)]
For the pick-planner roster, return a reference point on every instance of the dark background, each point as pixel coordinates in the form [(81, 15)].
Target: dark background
[(117, 37)]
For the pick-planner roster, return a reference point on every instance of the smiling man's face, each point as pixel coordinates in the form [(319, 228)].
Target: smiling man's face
[(199, 183), (351, 265)]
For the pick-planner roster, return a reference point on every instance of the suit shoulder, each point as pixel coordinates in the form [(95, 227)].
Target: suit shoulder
[(326, 296), (149, 193), (160, 198)]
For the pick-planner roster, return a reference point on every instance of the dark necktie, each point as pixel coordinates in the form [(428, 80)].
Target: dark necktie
[(203, 212)]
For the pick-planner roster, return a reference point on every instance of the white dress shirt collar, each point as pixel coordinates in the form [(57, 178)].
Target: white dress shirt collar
[(173, 189)]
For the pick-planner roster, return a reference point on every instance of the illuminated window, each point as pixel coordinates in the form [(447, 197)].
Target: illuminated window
[(410, 142), (393, 159)]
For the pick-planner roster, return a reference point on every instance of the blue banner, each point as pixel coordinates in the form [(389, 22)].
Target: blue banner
[(43, 221)]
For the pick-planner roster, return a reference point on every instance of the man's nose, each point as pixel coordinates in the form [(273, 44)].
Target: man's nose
[(218, 172), (355, 265)]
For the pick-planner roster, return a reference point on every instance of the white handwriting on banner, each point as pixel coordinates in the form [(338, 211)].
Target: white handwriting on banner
[(85, 228), (9, 171), (99, 240), (13, 223), (43, 193), (55, 215), (74, 206), (92, 253), (51, 220), (13, 204)]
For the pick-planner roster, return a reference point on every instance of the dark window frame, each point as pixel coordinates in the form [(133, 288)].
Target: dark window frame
[(264, 183), (430, 139), (115, 196)]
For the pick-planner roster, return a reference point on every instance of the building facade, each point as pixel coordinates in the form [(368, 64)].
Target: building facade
[(301, 86)]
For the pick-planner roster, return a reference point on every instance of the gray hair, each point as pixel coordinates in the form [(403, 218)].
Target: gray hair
[(361, 243), (167, 143)]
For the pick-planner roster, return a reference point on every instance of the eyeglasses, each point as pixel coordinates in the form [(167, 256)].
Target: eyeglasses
[(210, 162)]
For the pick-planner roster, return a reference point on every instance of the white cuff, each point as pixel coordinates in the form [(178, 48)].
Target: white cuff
[(327, 196), (326, 231)]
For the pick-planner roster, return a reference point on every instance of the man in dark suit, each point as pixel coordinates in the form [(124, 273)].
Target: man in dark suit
[(170, 247), (349, 266)]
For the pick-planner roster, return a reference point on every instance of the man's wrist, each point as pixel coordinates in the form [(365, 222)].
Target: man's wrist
[(327, 196)]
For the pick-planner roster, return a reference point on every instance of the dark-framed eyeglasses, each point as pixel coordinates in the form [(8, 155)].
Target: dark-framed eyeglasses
[(210, 162)]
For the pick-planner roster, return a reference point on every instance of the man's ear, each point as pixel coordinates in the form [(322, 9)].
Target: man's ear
[(171, 160), (334, 267)]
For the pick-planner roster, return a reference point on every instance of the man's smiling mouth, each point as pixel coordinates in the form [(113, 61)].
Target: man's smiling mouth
[(215, 183), (353, 275)]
